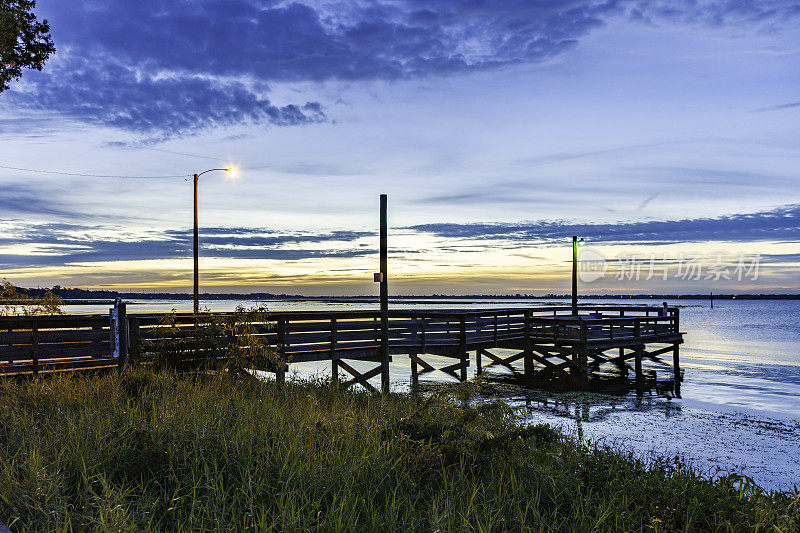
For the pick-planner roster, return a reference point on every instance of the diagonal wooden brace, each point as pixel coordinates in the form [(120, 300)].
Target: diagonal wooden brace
[(505, 361), (358, 377)]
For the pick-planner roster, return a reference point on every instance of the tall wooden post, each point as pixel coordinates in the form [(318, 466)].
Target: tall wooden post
[(575, 275), (122, 318), (580, 357), (676, 363), (334, 363), (35, 347), (280, 369), (384, 296), (196, 255), (637, 361), (638, 368), (462, 347), (414, 369), (134, 338), (621, 364), (527, 359)]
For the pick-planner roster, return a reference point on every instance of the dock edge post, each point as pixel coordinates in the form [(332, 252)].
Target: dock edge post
[(280, 369), (527, 359), (462, 347), (122, 318), (384, 295)]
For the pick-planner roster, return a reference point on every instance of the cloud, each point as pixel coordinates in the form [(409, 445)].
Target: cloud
[(325, 40), (107, 93), (61, 244), (172, 68), (778, 107), (782, 224), (716, 12), (27, 200)]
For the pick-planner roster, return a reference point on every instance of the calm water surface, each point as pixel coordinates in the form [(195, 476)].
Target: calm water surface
[(740, 409)]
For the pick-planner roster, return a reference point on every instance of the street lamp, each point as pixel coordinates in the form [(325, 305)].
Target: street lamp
[(196, 257), (575, 242)]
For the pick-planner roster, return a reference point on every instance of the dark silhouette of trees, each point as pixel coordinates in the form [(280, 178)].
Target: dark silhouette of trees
[(24, 41)]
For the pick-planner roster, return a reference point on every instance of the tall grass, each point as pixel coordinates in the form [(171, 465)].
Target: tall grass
[(165, 451)]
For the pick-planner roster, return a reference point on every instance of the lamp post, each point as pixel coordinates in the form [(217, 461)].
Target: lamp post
[(196, 256), (575, 242)]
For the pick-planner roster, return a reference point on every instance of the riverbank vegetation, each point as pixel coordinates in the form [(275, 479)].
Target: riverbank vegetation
[(162, 450), (16, 301)]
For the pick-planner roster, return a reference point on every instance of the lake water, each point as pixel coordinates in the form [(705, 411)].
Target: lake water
[(740, 409)]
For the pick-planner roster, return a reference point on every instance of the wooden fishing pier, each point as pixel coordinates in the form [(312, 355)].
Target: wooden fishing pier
[(573, 345), (538, 344)]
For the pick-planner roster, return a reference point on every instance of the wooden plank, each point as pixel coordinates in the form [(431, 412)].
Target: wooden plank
[(68, 350), (35, 347), (368, 353), (52, 321), (47, 366), (55, 335)]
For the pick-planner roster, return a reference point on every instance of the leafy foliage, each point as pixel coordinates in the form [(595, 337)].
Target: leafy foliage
[(234, 342), (24, 41), (14, 301)]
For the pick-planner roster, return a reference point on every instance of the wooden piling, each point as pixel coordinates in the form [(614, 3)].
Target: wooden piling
[(676, 370), (638, 359), (134, 338), (676, 363), (527, 359), (462, 347), (35, 347), (384, 295), (122, 317), (581, 354), (622, 365), (334, 365), (280, 365)]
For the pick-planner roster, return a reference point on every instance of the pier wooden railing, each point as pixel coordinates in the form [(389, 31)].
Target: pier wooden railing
[(33, 344), (46, 343)]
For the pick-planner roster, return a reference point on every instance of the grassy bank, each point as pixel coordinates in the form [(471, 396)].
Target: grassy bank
[(169, 452)]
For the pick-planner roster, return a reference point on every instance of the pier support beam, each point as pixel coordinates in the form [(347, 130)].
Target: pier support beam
[(359, 377), (527, 358), (280, 368), (457, 370), (638, 369), (498, 360), (676, 370), (462, 340)]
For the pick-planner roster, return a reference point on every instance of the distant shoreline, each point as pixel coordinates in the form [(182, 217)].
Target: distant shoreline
[(413, 299), (84, 296)]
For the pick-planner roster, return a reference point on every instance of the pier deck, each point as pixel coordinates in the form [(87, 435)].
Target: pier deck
[(549, 342)]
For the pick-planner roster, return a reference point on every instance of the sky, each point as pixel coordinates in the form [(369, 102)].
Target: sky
[(666, 134)]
